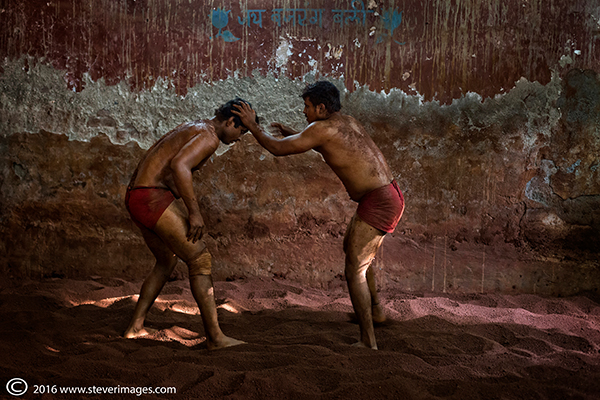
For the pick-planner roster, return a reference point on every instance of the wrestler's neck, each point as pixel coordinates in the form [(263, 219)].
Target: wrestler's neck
[(216, 127), (327, 116)]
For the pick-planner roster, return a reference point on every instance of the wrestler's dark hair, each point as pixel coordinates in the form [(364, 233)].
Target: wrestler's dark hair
[(224, 112), (323, 92)]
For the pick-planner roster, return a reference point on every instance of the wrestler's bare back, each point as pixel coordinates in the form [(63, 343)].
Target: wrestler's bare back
[(351, 153), (155, 168)]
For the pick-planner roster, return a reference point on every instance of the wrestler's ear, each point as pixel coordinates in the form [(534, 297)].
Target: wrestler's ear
[(230, 122), (321, 109)]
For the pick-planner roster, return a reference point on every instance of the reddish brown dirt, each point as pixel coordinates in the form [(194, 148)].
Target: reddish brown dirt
[(68, 333)]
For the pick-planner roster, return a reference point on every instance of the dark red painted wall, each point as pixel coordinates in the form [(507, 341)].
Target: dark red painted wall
[(440, 49)]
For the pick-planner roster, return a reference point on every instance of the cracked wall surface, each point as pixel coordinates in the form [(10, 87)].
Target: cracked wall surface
[(497, 154)]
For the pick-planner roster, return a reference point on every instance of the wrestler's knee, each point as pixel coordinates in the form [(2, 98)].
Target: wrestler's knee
[(355, 266), (171, 262), (165, 264), (200, 264)]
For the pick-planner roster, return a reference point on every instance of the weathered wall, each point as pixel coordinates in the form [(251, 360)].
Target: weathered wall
[(488, 113)]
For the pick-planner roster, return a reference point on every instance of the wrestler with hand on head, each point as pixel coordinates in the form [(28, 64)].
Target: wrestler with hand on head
[(161, 201), (357, 161)]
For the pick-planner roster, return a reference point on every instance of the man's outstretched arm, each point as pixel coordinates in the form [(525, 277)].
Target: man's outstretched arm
[(293, 144)]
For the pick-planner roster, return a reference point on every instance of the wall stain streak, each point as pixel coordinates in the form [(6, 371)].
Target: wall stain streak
[(439, 49)]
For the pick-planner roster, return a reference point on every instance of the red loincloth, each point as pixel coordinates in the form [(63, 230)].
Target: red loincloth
[(147, 204), (382, 207)]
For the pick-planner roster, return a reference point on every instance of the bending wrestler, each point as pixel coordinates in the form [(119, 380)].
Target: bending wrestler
[(357, 161), (161, 201)]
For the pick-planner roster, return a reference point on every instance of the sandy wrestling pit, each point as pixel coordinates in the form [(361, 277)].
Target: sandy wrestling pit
[(66, 333)]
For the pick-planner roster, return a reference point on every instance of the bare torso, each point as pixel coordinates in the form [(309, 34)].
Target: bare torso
[(352, 155), (155, 168)]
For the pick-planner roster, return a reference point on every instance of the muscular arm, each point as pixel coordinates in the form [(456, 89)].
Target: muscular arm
[(297, 143), (191, 155), (293, 143)]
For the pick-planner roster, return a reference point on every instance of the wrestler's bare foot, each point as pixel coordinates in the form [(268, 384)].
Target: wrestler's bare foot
[(132, 333), (361, 344), (378, 314), (222, 342)]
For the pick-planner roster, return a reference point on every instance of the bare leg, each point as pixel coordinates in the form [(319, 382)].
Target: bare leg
[(172, 228), (165, 263), (376, 309), (203, 291), (360, 245)]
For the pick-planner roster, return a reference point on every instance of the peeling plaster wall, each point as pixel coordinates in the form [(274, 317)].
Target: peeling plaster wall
[(490, 127), (438, 49)]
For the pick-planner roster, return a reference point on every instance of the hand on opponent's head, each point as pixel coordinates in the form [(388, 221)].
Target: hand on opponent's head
[(246, 113)]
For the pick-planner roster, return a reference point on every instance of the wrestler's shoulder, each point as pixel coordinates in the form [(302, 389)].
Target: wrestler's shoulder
[(332, 124), (189, 131), (341, 121), (344, 126), (199, 125)]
